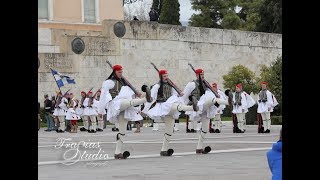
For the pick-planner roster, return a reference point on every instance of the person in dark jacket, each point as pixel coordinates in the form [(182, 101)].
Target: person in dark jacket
[(154, 15), (275, 159), (48, 115)]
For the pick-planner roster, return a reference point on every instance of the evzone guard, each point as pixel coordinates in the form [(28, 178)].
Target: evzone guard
[(90, 112), (99, 118), (167, 97), (266, 102), (118, 96), (219, 111), (71, 114), (60, 111), (200, 92), (241, 103)]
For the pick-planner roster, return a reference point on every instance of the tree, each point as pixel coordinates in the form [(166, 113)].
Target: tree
[(273, 75), (271, 16), (241, 74), (210, 13), (170, 12), (156, 5), (231, 14)]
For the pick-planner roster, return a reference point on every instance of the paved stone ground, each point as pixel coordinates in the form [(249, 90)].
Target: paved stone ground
[(233, 156)]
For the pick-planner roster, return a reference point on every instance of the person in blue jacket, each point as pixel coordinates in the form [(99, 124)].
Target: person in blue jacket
[(275, 159)]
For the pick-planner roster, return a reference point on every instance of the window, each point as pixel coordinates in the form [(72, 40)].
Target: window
[(89, 7), (43, 12)]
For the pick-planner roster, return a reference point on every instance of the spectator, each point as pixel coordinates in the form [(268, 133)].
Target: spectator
[(154, 15), (55, 119), (48, 115), (275, 159), (135, 18)]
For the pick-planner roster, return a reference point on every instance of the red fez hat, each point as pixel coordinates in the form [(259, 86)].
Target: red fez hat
[(239, 85), (117, 67), (198, 71), (163, 71), (71, 94), (82, 92), (214, 85), (90, 92), (264, 83)]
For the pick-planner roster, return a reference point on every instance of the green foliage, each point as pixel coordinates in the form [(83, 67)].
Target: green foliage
[(273, 75), (210, 13), (271, 16), (241, 74), (42, 113), (231, 21), (156, 5), (276, 120), (248, 15), (170, 12)]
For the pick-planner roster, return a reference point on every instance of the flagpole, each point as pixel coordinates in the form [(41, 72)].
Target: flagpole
[(56, 81)]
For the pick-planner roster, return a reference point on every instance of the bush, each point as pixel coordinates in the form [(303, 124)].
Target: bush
[(42, 113), (276, 120), (251, 115), (227, 112), (243, 75), (273, 75)]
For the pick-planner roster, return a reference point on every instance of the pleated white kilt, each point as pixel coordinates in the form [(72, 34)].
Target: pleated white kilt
[(59, 112), (160, 110), (79, 111), (263, 107), (238, 109), (203, 113), (89, 111), (113, 107), (72, 115)]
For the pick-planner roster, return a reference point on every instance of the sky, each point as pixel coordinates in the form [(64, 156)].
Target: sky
[(185, 10)]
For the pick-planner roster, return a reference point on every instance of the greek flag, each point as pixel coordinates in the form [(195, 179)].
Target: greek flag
[(62, 79)]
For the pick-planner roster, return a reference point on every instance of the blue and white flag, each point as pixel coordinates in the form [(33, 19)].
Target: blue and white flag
[(62, 79)]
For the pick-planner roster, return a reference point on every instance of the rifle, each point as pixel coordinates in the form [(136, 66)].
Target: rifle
[(169, 81), (58, 101), (206, 83), (127, 82), (92, 98), (89, 91)]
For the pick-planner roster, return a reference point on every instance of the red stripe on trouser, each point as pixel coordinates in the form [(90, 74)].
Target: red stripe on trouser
[(234, 120), (259, 118)]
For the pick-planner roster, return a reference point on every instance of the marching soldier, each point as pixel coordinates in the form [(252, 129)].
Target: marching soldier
[(220, 108), (117, 96), (90, 112), (60, 111), (71, 114), (201, 96), (79, 111), (99, 118), (266, 103), (167, 107)]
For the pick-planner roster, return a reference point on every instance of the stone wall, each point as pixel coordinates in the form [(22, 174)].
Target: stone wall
[(168, 46)]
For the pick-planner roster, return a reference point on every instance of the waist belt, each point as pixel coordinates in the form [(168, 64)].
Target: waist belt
[(160, 101)]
